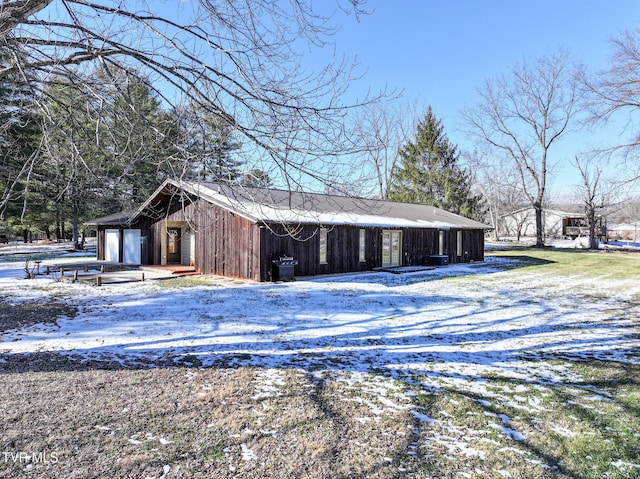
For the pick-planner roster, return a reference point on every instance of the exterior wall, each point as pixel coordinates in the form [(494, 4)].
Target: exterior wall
[(100, 242), (343, 248), (225, 244), (554, 223), (145, 231), (524, 221), (419, 244)]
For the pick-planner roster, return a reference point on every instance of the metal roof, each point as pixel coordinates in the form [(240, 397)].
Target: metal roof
[(263, 205), (114, 219), (279, 206)]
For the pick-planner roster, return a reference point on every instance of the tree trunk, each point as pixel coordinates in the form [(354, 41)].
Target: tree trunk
[(76, 233), (591, 218), (537, 207), (494, 222)]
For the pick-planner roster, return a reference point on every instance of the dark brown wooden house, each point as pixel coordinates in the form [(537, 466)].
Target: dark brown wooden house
[(238, 232)]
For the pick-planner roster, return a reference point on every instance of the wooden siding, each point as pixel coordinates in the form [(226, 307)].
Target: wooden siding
[(146, 233), (229, 245), (343, 248), (225, 243), (100, 243), (418, 245)]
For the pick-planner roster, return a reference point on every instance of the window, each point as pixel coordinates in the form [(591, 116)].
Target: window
[(323, 245), (362, 254), (173, 241), (459, 243)]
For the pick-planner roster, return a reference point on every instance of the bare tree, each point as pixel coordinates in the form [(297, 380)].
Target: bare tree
[(596, 193), (383, 127), (523, 115), (238, 60), (616, 89), (497, 182)]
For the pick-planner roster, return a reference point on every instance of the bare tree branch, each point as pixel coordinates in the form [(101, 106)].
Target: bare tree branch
[(241, 60), (616, 90), (523, 115)]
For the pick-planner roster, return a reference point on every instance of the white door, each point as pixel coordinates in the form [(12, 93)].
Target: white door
[(132, 252), (112, 245)]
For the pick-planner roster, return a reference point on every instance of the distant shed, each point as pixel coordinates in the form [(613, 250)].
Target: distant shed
[(238, 231)]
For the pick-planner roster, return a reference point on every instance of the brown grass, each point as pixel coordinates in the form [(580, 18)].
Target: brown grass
[(25, 314), (132, 423)]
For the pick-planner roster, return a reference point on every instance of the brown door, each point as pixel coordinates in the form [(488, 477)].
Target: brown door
[(174, 250)]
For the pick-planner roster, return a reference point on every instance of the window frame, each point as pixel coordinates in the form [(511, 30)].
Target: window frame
[(322, 245), (362, 246)]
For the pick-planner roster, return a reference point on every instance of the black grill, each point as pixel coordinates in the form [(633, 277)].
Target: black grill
[(283, 267)]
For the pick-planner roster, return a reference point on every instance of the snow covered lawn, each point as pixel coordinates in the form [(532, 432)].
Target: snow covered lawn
[(474, 370), (471, 319)]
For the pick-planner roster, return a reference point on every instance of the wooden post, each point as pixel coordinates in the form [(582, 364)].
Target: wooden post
[(75, 275), (98, 280), (86, 268), (142, 276), (102, 268)]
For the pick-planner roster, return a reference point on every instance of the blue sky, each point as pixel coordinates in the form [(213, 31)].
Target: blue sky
[(440, 52)]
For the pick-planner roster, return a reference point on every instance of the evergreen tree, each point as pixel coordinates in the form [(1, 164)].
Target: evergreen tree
[(210, 145), (429, 172), (74, 186), (20, 137), (140, 137), (256, 178)]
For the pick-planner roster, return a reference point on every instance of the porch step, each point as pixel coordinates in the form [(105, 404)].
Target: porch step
[(186, 273), (174, 269)]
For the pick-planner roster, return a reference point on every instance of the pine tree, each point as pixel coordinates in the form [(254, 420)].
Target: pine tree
[(211, 146), (19, 138), (429, 172), (139, 135), (73, 188)]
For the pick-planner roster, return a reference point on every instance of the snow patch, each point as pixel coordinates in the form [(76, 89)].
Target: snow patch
[(247, 454)]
